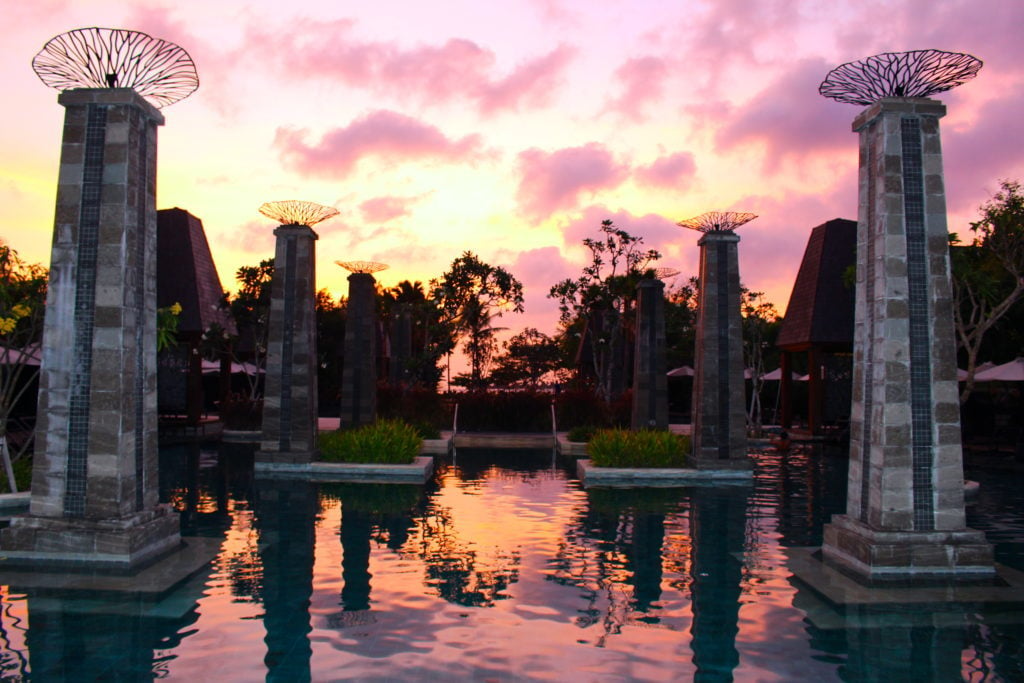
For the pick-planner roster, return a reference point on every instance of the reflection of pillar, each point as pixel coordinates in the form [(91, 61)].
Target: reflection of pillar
[(887, 650), (290, 399), (645, 558), (359, 376), (285, 516), (719, 419), (355, 563), (905, 509), (717, 529), (94, 479), (650, 381), (68, 639)]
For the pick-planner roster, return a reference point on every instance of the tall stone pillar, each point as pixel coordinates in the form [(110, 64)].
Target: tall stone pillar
[(719, 430), (905, 510), (94, 478), (289, 433), (359, 374), (650, 378)]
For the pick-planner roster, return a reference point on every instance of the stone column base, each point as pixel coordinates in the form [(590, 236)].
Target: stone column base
[(740, 461), (114, 544), (290, 457), (873, 555)]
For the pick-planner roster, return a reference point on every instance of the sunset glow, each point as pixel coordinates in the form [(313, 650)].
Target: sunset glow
[(513, 129)]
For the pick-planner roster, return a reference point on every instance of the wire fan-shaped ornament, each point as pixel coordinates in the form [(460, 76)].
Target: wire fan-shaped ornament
[(918, 73), (293, 212), (717, 221), (362, 266), (664, 273), (160, 71)]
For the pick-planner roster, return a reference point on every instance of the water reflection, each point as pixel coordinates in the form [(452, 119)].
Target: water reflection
[(718, 526), (285, 517)]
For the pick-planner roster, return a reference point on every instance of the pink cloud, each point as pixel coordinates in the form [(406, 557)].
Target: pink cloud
[(458, 69), (550, 181), (643, 82), (383, 134), (670, 171), (533, 83), (252, 237), (789, 118), (384, 209)]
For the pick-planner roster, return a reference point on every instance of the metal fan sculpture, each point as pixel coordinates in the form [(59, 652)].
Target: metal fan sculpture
[(293, 212), (665, 273), (362, 266), (717, 221), (918, 73), (158, 70)]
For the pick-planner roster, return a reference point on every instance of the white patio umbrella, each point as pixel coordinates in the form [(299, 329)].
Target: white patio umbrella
[(682, 371), (1007, 372), (961, 375)]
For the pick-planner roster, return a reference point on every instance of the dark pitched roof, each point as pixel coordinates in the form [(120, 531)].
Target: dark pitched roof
[(821, 307), (186, 274)]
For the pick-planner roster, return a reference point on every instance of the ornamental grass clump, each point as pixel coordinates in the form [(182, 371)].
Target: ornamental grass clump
[(385, 441), (645, 448)]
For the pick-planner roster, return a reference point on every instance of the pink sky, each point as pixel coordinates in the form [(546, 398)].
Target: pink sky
[(514, 129)]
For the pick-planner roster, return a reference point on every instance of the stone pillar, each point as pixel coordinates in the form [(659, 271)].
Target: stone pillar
[(650, 378), (719, 419), (94, 480), (359, 376), (905, 510), (290, 395)]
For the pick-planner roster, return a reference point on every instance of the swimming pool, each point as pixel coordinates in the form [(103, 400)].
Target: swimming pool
[(504, 568)]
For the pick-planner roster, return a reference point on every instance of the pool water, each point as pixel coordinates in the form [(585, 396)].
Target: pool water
[(504, 568)]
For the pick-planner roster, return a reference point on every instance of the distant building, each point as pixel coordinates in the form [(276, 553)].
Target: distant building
[(819, 323), (186, 275)]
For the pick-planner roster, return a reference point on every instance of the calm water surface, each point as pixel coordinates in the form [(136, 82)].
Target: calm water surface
[(504, 568)]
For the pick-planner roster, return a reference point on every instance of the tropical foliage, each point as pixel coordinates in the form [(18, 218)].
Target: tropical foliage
[(644, 448), (384, 441)]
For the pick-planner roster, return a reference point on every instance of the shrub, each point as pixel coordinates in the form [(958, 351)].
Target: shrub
[(504, 411), (646, 448), (577, 407), (240, 412), (384, 441), (582, 433), (415, 405)]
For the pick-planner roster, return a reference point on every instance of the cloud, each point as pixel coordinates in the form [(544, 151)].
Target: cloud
[(643, 82), (456, 70), (252, 237), (550, 181), (789, 119), (384, 209), (386, 135), (532, 84), (670, 171)]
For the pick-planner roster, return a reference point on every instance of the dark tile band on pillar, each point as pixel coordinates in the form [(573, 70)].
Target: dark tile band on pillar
[(905, 515), (289, 433), (94, 481), (650, 379)]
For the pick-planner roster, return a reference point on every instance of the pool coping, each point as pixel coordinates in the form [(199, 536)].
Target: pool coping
[(416, 473), (591, 475)]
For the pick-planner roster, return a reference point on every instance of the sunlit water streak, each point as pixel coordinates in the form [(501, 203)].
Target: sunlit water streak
[(504, 568)]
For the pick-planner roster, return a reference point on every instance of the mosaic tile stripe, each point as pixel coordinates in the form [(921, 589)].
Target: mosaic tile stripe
[(139, 123), (85, 311), (920, 353), (287, 344), (868, 347), (722, 308)]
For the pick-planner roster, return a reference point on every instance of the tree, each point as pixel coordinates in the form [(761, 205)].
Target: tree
[(469, 294), (432, 334), (988, 274), (251, 309), (599, 301), (331, 316), (22, 306), (760, 326), (528, 357)]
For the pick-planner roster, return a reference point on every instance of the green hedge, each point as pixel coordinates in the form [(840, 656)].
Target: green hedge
[(385, 441), (645, 448)]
